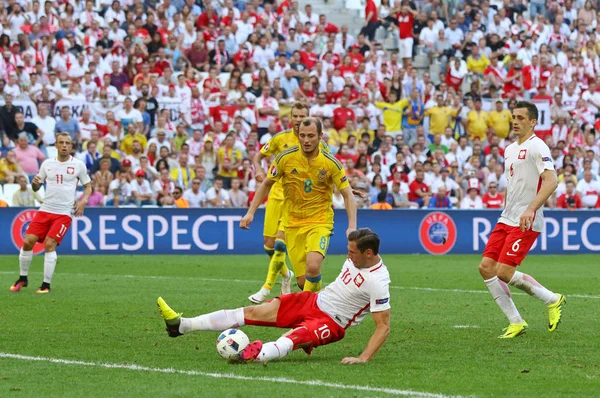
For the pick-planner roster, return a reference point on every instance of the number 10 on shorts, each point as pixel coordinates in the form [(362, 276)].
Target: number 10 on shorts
[(323, 333)]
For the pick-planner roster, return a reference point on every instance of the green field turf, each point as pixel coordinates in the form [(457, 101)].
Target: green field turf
[(443, 341)]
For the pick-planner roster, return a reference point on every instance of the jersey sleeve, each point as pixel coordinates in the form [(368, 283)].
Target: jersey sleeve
[(276, 169), (270, 148), (543, 160), (339, 178), (42, 172), (83, 176), (379, 293)]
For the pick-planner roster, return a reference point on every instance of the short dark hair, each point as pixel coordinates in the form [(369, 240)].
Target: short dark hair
[(532, 110), (309, 121), (365, 239)]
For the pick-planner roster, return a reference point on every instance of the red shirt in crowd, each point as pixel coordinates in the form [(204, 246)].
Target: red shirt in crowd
[(405, 25), (308, 59), (416, 186), (371, 8), (492, 202), (340, 115), (561, 202), (203, 20)]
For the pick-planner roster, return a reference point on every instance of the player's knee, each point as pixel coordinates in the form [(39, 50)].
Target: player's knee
[(280, 246), (50, 245), (487, 268), (268, 241), (505, 273), (313, 269)]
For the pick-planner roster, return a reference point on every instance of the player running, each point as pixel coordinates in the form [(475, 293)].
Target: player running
[(308, 175), (273, 234), (531, 181), (52, 221), (315, 318)]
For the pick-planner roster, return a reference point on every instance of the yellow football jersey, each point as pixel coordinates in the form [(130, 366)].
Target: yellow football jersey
[(308, 188), (277, 144)]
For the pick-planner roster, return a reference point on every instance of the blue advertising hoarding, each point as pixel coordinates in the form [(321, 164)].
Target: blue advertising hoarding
[(216, 231)]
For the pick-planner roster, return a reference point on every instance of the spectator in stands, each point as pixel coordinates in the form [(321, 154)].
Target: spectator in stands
[(237, 196), (493, 199), (183, 175), (119, 191), (46, 124), (179, 200), (7, 118), (10, 169), (382, 203), (194, 195), (66, 124), (133, 135), (473, 199), (229, 160), (441, 200), (570, 199), (163, 188), (28, 156), (217, 196), (25, 197), (141, 190), (419, 191), (588, 189)]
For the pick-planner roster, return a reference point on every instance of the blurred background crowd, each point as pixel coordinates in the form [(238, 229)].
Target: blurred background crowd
[(169, 101)]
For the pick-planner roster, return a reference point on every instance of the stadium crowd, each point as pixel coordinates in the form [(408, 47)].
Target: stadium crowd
[(407, 137)]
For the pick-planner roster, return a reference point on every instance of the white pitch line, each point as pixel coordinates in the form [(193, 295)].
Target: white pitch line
[(424, 289), (466, 326), (139, 368)]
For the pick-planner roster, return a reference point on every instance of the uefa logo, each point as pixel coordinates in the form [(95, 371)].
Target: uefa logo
[(437, 233), (18, 228)]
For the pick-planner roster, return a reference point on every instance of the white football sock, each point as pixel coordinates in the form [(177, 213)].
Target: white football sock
[(49, 265), (501, 294), (25, 258), (532, 287), (216, 321), (275, 350)]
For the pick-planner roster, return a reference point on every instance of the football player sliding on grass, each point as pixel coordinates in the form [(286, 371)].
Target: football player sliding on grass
[(315, 319)]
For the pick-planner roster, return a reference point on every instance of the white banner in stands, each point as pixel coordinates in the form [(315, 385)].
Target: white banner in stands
[(75, 108), (26, 106), (544, 122), (174, 106)]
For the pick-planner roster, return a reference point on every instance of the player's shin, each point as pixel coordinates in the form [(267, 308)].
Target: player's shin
[(501, 294), (313, 283), (532, 287), (25, 258), (216, 321), (275, 350), (276, 264), (49, 266)]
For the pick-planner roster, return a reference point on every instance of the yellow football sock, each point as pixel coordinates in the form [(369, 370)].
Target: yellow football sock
[(312, 284), (276, 265)]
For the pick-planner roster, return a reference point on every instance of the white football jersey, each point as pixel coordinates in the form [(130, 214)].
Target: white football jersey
[(523, 166), (61, 184), (355, 293)]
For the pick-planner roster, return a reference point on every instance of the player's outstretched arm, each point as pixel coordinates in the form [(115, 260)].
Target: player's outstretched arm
[(260, 172), (260, 195), (350, 205), (80, 206), (549, 184), (382, 331)]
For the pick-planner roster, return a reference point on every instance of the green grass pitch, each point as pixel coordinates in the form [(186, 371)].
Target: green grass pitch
[(443, 342)]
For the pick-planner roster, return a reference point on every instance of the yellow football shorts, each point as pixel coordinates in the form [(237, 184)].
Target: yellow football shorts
[(302, 240), (273, 214)]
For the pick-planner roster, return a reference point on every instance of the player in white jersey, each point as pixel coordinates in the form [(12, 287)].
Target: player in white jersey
[(52, 221), (531, 181), (315, 318)]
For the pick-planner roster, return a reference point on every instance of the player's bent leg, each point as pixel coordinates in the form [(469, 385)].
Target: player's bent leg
[(50, 258), (313, 272), (487, 268)]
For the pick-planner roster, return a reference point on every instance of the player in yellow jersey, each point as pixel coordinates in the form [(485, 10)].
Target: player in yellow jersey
[(308, 175), (273, 234)]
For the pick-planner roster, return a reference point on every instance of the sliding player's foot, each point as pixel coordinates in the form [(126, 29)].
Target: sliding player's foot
[(286, 283), (513, 330), (555, 312), (172, 318), (18, 285), (259, 296), (251, 352)]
